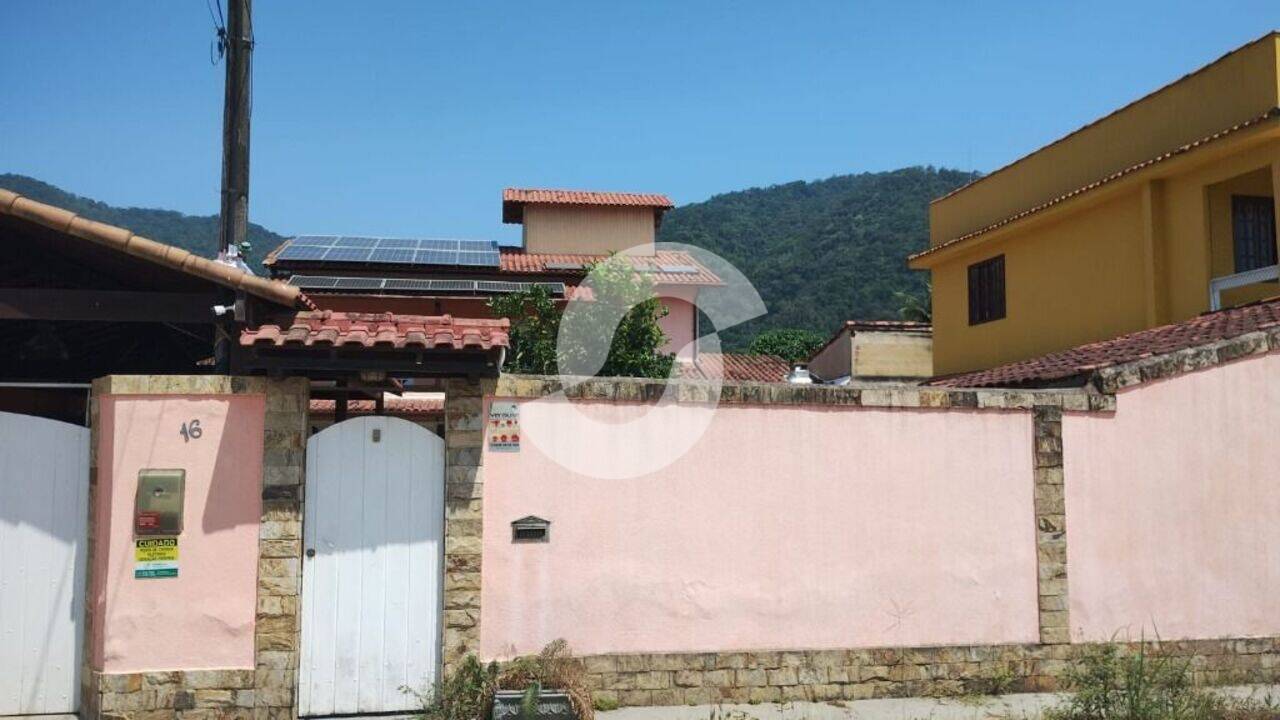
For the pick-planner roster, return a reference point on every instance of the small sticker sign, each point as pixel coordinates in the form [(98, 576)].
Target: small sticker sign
[(155, 558), (504, 427)]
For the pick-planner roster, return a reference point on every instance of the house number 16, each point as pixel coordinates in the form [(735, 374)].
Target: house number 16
[(191, 431)]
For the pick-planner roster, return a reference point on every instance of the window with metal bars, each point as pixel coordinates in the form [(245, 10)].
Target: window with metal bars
[(986, 290), (1253, 230)]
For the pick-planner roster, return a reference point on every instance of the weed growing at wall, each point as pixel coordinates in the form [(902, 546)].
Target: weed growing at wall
[(467, 692), (1144, 683)]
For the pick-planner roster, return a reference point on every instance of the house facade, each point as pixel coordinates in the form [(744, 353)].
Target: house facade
[(1155, 213), (564, 233), (876, 350)]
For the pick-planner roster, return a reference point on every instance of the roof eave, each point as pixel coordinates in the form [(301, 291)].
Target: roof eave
[(1257, 130), (125, 241)]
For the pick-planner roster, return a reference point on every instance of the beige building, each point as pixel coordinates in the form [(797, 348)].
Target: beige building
[(876, 350)]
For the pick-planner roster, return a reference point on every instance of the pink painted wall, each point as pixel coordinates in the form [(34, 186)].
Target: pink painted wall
[(680, 322), (1172, 508), (203, 618), (784, 527)]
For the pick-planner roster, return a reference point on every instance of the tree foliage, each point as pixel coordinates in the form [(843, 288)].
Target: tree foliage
[(536, 345), (820, 252), (793, 344)]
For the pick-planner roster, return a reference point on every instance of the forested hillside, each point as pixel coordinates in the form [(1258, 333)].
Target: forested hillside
[(820, 252), (197, 233)]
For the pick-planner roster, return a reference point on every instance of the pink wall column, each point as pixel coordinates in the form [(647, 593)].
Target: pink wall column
[(784, 527), (204, 618), (1172, 508)]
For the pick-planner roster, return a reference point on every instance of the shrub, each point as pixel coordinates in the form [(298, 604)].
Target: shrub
[(467, 692)]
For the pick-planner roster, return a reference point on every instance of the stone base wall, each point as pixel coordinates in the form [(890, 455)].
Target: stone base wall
[(193, 694), (266, 691), (832, 675)]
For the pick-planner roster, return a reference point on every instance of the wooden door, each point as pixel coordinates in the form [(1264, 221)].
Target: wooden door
[(373, 553)]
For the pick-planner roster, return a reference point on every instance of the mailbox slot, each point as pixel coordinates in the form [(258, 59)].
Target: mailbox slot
[(157, 508)]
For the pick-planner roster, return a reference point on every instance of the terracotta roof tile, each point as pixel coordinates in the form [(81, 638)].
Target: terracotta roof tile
[(516, 260), (1059, 367), (390, 406), (378, 330), (125, 241), (514, 200), (736, 367)]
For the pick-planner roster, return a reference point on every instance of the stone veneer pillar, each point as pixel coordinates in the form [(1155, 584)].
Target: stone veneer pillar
[(267, 691), (464, 486), (1051, 526)]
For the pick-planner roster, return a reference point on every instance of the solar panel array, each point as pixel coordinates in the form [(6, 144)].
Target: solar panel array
[(334, 284), (391, 251)]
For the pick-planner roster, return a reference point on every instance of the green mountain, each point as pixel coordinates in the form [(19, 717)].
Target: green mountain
[(197, 233), (820, 252)]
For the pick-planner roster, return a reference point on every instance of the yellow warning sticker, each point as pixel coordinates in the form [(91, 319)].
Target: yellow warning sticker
[(155, 550)]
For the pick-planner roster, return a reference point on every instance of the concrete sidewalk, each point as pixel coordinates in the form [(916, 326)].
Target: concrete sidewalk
[(1018, 706)]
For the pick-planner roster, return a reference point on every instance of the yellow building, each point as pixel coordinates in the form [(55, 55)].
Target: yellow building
[(1162, 210)]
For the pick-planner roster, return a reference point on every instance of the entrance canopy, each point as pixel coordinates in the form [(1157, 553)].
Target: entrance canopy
[(327, 343)]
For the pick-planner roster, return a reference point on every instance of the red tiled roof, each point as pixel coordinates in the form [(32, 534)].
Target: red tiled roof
[(736, 368), (514, 200), (1083, 360), (391, 406), (379, 330), (516, 260)]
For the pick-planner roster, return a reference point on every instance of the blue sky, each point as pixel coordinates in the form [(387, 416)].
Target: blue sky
[(407, 118)]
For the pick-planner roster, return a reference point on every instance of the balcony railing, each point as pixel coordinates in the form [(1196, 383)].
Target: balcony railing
[(1248, 277)]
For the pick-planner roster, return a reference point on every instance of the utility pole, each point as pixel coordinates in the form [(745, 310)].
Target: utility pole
[(238, 44)]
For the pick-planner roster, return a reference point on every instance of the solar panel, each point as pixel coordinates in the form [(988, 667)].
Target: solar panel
[(479, 259), (339, 253), (407, 284), (312, 281), (393, 255), (398, 244), (316, 240), (430, 244), (678, 269), (564, 266), (420, 285), (408, 251), (302, 252), (358, 283)]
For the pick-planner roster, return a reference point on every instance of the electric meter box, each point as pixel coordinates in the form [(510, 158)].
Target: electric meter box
[(157, 509)]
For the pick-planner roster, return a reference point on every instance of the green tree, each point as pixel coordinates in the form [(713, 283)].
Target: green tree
[(793, 344), (635, 350), (535, 322), (915, 308)]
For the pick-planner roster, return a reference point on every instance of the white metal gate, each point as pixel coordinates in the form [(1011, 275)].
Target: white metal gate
[(44, 495), (373, 538)]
